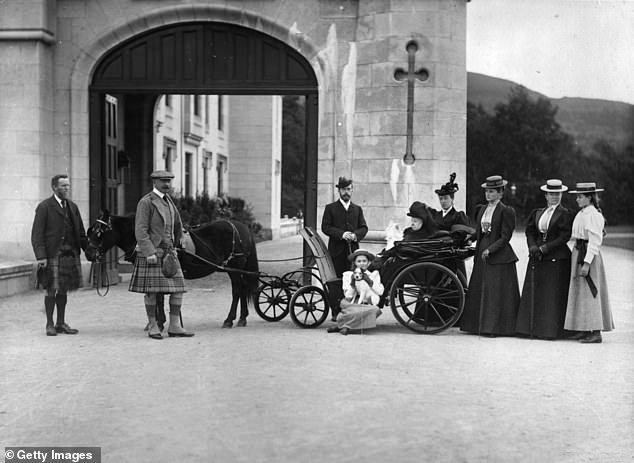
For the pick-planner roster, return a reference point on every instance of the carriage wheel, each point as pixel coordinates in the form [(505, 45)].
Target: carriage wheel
[(427, 297), (271, 301), (309, 307)]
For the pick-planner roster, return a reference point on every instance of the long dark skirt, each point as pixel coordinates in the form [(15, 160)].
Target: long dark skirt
[(551, 295), (501, 299)]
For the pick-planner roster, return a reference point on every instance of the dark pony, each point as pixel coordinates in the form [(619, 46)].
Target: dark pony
[(222, 245)]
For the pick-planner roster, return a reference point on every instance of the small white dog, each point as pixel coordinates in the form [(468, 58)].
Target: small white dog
[(362, 288)]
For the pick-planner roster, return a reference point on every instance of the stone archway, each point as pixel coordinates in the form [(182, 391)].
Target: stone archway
[(191, 58)]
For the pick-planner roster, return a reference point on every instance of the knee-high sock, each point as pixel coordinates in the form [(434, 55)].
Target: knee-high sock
[(60, 301), (49, 306), (150, 310)]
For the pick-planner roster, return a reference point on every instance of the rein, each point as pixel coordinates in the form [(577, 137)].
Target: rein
[(98, 274)]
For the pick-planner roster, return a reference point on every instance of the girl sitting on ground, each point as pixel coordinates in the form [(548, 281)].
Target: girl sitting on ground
[(362, 290)]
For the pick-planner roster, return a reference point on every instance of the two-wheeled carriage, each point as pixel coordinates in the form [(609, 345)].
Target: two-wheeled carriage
[(423, 286)]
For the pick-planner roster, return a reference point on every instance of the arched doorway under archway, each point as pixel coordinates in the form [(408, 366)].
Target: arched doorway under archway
[(196, 58)]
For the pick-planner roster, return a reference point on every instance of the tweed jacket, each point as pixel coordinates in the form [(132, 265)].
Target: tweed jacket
[(336, 221), (553, 244), (149, 224), (502, 226), (453, 217), (48, 229)]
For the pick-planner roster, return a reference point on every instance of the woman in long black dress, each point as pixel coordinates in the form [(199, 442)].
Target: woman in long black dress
[(545, 291), (493, 296)]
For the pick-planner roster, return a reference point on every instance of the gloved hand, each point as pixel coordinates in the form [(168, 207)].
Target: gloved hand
[(534, 251)]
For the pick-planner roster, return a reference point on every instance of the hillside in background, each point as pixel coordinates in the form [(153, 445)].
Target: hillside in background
[(587, 120)]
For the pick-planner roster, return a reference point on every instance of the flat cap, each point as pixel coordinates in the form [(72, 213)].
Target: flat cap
[(157, 174)]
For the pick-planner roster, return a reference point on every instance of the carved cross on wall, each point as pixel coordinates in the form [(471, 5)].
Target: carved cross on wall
[(411, 75)]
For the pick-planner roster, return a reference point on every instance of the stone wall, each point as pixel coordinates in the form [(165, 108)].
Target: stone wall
[(48, 50)]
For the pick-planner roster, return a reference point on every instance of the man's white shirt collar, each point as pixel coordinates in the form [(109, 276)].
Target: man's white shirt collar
[(346, 205), (158, 193), (59, 201)]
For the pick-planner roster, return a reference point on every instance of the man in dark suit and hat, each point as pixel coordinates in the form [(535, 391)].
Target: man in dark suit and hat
[(345, 226), (158, 229), (57, 237)]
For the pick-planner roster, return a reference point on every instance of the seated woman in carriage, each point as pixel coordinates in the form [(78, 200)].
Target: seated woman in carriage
[(422, 225), (362, 290)]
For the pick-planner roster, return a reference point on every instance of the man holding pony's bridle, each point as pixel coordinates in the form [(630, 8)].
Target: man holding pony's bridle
[(158, 228)]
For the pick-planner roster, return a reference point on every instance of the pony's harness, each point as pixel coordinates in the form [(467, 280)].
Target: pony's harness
[(235, 236)]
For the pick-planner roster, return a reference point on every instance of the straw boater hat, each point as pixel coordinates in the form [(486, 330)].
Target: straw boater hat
[(554, 186), (448, 188), (344, 182), (361, 252), (418, 209), (494, 181), (587, 187), (161, 174)]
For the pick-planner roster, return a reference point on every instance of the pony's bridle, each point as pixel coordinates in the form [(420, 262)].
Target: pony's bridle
[(98, 232)]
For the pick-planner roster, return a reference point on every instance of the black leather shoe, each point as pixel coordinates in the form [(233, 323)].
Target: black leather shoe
[(593, 338), (64, 328), (50, 330), (333, 329), (183, 334), (155, 335), (344, 331)]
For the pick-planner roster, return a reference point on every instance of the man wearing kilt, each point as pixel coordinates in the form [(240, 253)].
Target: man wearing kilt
[(158, 228), (57, 238)]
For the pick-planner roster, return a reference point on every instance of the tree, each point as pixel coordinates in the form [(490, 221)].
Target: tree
[(523, 143)]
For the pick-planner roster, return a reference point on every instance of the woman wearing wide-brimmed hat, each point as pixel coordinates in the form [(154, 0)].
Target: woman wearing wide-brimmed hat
[(493, 296), (545, 292), (588, 310), (362, 290)]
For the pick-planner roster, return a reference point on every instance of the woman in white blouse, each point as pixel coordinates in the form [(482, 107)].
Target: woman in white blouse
[(588, 310)]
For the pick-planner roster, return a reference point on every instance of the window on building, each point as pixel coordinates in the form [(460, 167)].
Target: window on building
[(221, 169), (196, 105), (169, 152), (206, 111), (188, 174), (220, 115), (207, 160), (168, 101)]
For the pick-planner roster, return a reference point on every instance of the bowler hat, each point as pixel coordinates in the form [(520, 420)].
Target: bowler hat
[(554, 186), (161, 174), (586, 187), (344, 182), (448, 188), (494, 181), (418, 209), (361, 252)]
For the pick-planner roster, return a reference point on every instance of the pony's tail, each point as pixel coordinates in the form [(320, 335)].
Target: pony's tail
[(252, 281)]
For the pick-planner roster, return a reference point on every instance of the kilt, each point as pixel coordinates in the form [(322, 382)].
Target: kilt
[(149, 278), (64, 271)]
